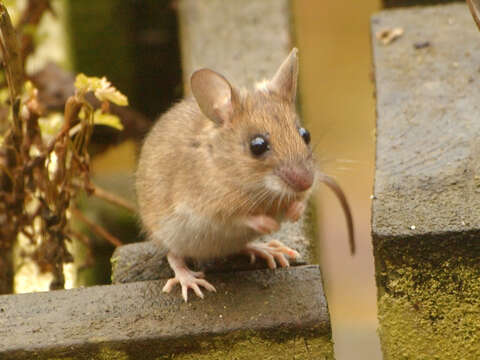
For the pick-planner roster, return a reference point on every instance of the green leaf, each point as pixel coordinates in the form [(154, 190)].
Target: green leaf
[(84, 83), (102, 88), (101, 118)]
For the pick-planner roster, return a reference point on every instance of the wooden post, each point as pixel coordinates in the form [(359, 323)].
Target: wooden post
[(426, 205)]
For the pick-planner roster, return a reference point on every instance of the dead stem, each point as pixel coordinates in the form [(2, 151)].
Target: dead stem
[(95, 228), (12, 59), (11, 185), (112, 198)]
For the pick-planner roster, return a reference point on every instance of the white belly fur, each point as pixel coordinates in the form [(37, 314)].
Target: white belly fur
[(188, 234)]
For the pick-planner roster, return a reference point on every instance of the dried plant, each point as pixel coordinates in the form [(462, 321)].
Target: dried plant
[(44, 162)]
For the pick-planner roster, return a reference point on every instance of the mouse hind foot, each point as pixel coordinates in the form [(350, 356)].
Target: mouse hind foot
[(274, 251), (187, 278)]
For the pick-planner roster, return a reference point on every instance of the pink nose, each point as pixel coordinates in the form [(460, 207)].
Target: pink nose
[(299, 178)]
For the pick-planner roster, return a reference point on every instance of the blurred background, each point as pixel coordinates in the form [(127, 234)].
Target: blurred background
[(338, 104), (135, 44)]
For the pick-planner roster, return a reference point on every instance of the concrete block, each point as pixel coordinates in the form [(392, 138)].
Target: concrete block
[(243, 40), (147, 261), (254, 315), (425, 220)]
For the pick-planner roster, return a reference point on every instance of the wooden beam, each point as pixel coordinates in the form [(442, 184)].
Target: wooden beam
[(425, 223)]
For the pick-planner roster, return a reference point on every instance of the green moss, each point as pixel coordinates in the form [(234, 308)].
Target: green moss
[(109, 354), (298, 348), (286, 344), (429, 298)]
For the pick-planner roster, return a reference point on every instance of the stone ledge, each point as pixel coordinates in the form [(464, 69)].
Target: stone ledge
[(425, 225), (282, 314), (147, 261), (427, 177)]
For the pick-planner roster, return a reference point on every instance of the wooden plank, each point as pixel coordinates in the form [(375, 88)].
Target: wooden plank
[(425, 224), (283, 317)]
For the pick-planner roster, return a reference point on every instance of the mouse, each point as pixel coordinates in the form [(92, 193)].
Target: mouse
[(223, 167)]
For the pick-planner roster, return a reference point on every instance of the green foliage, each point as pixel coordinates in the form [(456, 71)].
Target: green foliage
[(101, 87), (101, 118)]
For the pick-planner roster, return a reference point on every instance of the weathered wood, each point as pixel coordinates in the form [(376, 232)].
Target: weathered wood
[(282, 316), (425, 219), (146, 261), (245, 41)]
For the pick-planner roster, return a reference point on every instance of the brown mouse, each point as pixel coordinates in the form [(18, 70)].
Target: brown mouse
[(222, 168)]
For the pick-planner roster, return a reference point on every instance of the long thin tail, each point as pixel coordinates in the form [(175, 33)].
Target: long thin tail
[(333, 185)]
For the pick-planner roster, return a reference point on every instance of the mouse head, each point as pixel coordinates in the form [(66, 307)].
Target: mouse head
[(258, 140)]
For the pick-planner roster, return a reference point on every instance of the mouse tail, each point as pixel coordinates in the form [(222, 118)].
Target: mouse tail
[(337, 190)]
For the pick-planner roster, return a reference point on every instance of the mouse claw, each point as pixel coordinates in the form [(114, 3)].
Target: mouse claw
[(187, 278), (188, 281), (169, 285), (293, 254)]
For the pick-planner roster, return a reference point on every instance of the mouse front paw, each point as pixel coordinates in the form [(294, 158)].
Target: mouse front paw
[(295, 211), (262, 224)]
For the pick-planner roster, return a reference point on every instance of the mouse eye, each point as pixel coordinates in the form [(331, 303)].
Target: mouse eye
[(259, 145), (305, 135)]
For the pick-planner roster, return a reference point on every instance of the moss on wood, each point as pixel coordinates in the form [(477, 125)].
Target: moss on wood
[(429, 303)]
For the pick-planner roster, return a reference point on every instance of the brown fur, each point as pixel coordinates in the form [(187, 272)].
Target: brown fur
[(199, 175)]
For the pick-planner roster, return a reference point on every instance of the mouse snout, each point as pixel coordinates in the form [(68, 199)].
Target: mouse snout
[(297, 177)]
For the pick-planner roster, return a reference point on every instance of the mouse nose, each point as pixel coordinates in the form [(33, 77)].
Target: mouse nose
[(298, 177)]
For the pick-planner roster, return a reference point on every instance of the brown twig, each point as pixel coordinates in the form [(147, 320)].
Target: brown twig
[(11, 186), (84, 239), (112, 198), (474, 6), (12, 59), (95, 228)]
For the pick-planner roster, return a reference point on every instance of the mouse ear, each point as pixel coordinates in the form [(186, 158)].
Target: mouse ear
[(284, 82), (214, 95)]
